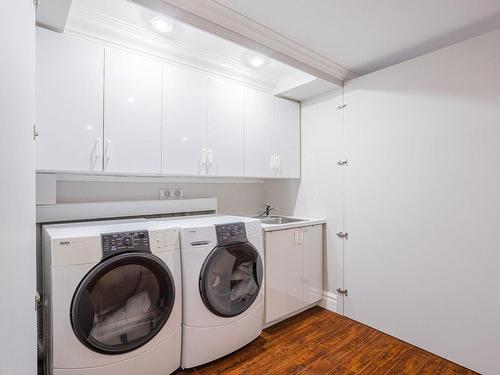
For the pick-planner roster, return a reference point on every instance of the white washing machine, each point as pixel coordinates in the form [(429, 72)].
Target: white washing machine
[(223, 287), (113, 298)]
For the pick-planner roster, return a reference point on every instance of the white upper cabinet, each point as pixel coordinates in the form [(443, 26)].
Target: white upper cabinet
[(132, 115), (272, 136), (286, 138), (107, 110), (203, 128), (259, 132), (185, 128), (69, 93), (225, 119)]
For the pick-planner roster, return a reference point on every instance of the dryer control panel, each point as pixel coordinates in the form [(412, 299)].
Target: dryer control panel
[(231, 233), (122, 242)]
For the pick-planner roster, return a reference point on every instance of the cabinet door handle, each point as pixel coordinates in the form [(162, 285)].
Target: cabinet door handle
[(203, 161), (210, 156), (301, 238), (278, 165), (274, 164), (97, 146), (108, 149), (295, 238)]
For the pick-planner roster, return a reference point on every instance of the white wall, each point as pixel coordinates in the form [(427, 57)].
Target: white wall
[(318, 193), (421, 198), (233, 198), (422, 202), (17, 189)]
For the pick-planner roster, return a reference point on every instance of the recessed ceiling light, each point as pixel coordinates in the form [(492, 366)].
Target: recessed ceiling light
[(162, 25), (254, 60)]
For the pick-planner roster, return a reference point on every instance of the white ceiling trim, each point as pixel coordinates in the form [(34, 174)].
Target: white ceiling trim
[(108, 30), (217, 19), (52, 14)]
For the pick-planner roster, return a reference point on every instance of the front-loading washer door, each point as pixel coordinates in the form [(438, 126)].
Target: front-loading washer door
[(231, 278), (122, 303)]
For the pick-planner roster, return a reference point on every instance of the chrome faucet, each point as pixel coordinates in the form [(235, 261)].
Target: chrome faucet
[(265, 211)]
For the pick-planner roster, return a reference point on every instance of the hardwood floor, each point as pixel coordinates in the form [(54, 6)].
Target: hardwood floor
[(322, 342)]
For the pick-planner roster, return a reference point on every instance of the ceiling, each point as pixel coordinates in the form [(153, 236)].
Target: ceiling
[(367, 35), (130, 16)]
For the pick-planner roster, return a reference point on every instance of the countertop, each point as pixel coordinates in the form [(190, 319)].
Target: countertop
[(307, 222)]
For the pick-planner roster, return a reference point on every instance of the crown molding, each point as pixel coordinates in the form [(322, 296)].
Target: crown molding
[(107, 30), (217, 19)]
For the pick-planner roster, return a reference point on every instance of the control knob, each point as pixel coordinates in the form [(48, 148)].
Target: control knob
[(127, 241)]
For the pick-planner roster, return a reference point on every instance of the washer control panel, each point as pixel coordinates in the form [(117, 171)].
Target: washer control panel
[(231, 233), (121, 242)]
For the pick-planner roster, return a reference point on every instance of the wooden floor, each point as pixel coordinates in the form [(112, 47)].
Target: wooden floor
[(322, 342)]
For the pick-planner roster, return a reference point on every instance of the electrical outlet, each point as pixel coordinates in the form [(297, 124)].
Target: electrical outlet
[(171, 193), (166, 193)]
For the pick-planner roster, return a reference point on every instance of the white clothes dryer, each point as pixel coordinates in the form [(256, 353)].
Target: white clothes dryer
[(223, 286), (113, 298)]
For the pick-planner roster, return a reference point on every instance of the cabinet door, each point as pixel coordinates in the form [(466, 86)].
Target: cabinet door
[(132, 116), (258, 133), (284, 274), (69, 93), (287, 138), (185, 128), (313, 264), (225, 128)]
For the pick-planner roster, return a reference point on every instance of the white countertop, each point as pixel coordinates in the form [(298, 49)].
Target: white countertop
[(307, 222)]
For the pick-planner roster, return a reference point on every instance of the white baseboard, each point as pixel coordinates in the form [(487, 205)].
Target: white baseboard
[(284, 317), (329, 301)]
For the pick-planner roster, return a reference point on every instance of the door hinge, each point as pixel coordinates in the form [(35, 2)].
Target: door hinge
[(342, 291), (343, 235), (36, 3), (342, 162), (35, 132), (341, 106), (38, 300)]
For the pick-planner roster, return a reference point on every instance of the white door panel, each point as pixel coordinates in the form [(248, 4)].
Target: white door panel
[(69, 93), (132, 116), (225, 114), (422, 259), (258, 133), (185, 127), (18, 266), (322, 181), (287, 137)]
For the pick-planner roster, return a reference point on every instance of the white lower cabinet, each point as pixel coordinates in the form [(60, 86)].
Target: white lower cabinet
[(313, 264), (132, 114), (294, 265)]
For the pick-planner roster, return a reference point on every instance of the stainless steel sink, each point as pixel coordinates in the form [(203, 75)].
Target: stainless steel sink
[(277, 220)]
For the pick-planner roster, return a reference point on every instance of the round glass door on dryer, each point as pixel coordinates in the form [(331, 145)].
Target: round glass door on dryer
[(231, 278), (123, 302)]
